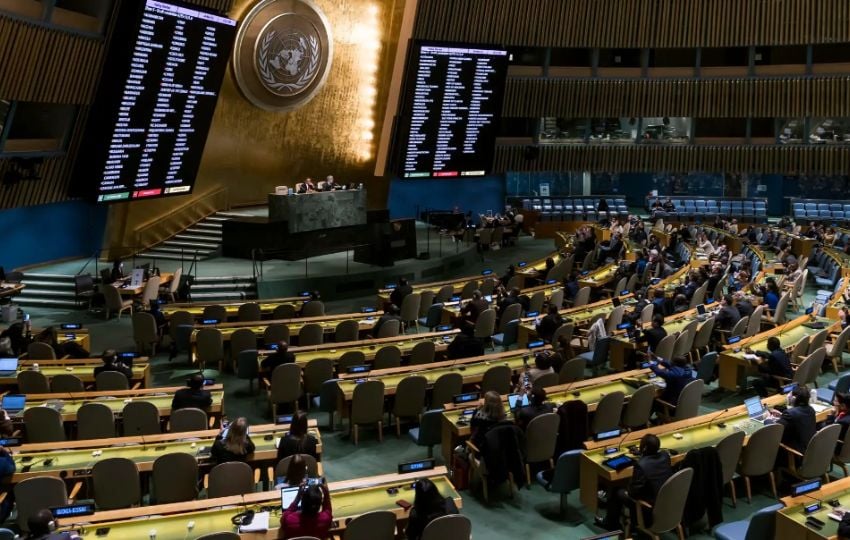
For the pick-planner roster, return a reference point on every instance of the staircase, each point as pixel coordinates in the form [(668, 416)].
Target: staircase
[(224, 289), (47, 290), (204, 237)]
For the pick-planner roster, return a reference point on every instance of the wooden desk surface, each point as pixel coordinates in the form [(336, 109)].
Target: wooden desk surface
[(80, 368), (126, 290), (11, 289), (369, 347), (791, 520), (328, 322), (599, 277), (267, 306), (350, 499), (76, 458)]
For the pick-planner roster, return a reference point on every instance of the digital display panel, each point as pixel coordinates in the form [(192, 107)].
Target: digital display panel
[(149, 123), (454, 102)]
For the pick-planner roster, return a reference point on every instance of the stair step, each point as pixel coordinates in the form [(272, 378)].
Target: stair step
[(48, 302), (188, 253), (47, 277), (209, 225), (215, 219), (31, 293), (230, 215), (223, 296), (30, 283), (222, 286), (191, 235), (194, 245), (227, 279), (158, 255)]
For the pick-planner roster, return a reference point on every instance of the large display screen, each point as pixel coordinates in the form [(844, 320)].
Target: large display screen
[(149, 123), (453, 105)]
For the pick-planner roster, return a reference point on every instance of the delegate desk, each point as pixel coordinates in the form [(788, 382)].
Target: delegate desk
[(82, 368), (732, 241), (590, 391), (350, 498), (76, 458), (536, 269), (267, 306), (434, 286), (69, 403), (471, 369), (319, 210), (733, 362), (369, 348), (791, 520), (681, 436), (580, 316), (80, 335), (599, 277), (125, 289)]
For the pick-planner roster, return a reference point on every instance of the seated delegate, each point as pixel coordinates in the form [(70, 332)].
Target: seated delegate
[(193, 395)]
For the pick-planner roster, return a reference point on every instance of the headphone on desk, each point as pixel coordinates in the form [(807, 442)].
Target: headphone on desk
[(244, 518)]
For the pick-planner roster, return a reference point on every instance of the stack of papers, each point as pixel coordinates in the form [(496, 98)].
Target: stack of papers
[(260, 523)]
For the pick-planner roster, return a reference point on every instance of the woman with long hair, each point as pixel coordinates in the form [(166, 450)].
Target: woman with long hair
[(428, 505), (298, 440), (233, 444), (489, 414), (310, 514)]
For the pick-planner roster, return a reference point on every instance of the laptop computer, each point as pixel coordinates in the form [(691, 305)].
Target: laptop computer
[(8, 367), (755, 409), (287, 495), (14, 403)]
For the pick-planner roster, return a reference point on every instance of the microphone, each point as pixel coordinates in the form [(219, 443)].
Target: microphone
[(720, 425), (620, 442)]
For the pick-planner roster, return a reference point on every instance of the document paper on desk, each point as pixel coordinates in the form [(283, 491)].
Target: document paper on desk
[(751, 356), (260, 523)]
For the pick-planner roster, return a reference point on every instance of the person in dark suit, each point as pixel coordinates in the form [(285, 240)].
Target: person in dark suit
[(193, 395), (548, 324), (278, 358), (233, 443), (840, 415), (474, 308), (111, 363), (307, 186), (391, 313), (611, 249), (728, 316), (745, 307), (677, 374), (651, 470), (402, 289), (536, 406), (655, 333), (772, 364), (798, 419), (508, 300), (465, 345)]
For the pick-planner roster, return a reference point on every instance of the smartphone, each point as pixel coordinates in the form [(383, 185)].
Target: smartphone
[(404, 504), (315, 481)]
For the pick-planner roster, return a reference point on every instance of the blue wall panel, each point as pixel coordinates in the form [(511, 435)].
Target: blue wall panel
[(407, 196), (36, 234)]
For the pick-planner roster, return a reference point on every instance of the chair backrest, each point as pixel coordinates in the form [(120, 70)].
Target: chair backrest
[(242, 339), (249, 311), (188, 419), (572, 370), (151, 290), (608, 411), (666, 346), (313, 308), (410, 396), (566, 330), (231, 478), (705, 372), (367, 402), (800, 349), (210, 346), (469, 288), (729, 452), (141, 418), (703, 335), (426, 299), (781, 315), (111, 380), (116, 484), (742, 328), (808, 370), (423, 353), (388, 356), (566, 476), (690, 400), (670, 502), (582, 297), (215, 312), (817, 341), (444, 294), (275, 333), (513, 311), (175, 478), (536, 302), (759, 454), (614, 319), (43, 425), (95, 421), (546, 380), (498, 379), (347, 331), (390, 328), (316, 372), (541, 434), (682, 345), (840, 343), (450, 527), (410, 307), (227, 535), (377, 525), (817, 458), (32, 382), (310, 334), (144, 329), (600, 351), (445, 388), (286, 384), (177, 319), (639, 408), (485, 325), (283, 465), (38, 493), (434, 315), (283, 311), (65, 383), (844, 454), (763, 523), (40, 351), (247, 365), (430, 428), (646, 314), (111, 297), (557, 298), (349, 359)]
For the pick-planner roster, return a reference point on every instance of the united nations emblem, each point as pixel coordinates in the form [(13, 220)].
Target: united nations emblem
[(283, 53)]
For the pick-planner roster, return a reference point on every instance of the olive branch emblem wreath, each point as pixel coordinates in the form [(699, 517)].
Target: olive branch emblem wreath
[(268, 77)]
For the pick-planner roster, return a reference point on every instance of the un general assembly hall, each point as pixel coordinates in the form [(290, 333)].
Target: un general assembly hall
[(424, 269)]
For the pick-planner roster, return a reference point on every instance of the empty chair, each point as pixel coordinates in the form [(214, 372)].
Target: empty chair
[(145, 332), (313, 308), (498, 379), (350, 359), (409, 399), (111, 380), (598, 356), (376, 525), (536, 302), (285, 386), (582, 297), (367, 407), (116, 484), (689, 401), (209, 347), (433, 316), (231, 478), (387, 357), (541, 434), (809, 369), (141, 418), (705, 371), (817, 341), (390, 328), (509, 335), (310, 334), (426, 298), (410, 309), (423, 353), (565, 478), (513, 311), (759, 455), (545, 381), (315, 373), (445, 388), (95, 421), (38, 493), (835, 350), (608, 411), (429, 432), (444, 294), (669, 505), (32, 382), (40, 351), (243, 339), (468, 288), (639, 408), (151, 291), (817, 459), (572, 370), (729, 452), (249, 312), (760, 525), (216, 312), (188, 419), (113, 302), (283, 311), (275, 333), (666, 346), (248, 367), (174, 478), (66, 383), (347, 331), (450, 527), (43, 425)]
